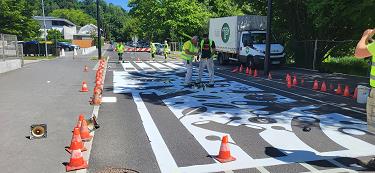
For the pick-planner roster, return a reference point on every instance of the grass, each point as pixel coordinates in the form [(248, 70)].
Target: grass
[(38, 57), (94, 58), (346, 65)]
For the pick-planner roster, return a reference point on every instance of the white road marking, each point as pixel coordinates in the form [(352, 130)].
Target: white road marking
[(163, 156), (334, 105), (262, 170), (144, 66), (109, 99), (309, 167), (160, 66), (128, 66)]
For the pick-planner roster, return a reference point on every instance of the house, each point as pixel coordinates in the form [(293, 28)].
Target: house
[(84, 37), (66, 27)]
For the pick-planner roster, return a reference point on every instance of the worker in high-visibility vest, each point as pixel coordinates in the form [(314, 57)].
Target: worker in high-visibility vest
[(120, 50), (166, 50), (153, 50), (366, 48), (207, 50), (189, 50)]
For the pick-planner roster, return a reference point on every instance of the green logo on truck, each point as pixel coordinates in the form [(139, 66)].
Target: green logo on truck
[(225, 33)]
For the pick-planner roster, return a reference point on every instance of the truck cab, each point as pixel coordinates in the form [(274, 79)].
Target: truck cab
[(252, 49)]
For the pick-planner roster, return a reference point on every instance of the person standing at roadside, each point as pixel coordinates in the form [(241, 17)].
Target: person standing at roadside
[(207, 49), (189, 50), (120, 50), (366, 48)]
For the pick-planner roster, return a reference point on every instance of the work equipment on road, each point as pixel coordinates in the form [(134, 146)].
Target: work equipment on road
[(92, 124), (323, 88), (84, 87), (62, 53), (338, 90), (85, 133), (346, 91), (38, 131), (316, 85), (224, 153), (76, 142), (355, 93), (76, 162)]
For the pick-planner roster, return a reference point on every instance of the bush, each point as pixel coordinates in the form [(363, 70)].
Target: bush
[(346, 65)]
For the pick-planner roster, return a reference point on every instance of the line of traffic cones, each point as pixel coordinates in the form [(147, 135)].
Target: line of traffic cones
[(96, 99)]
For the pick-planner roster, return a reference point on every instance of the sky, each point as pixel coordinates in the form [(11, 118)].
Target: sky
[(122, 3)]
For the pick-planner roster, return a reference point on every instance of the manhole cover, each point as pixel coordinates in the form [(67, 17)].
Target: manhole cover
[(118, 170)]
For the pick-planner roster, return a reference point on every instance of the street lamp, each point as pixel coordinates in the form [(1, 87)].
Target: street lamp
[(45, 32), (268, 38), (99, 34)]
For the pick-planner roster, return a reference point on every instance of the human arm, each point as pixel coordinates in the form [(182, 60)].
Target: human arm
[(363, 48)]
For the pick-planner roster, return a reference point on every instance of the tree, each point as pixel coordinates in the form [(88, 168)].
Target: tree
[(16, 18), (78, 17), (54, 34)]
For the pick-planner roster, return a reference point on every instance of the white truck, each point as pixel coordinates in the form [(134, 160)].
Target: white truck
[(243, 39)]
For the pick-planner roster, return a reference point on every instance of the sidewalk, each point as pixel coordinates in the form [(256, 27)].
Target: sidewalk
[(44, 92)]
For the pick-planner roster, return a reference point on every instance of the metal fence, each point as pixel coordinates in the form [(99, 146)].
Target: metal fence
[(9, 47)]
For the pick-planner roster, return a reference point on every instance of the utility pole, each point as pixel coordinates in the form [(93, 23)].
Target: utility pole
[(99, 34), (268, 39), (45, 31)]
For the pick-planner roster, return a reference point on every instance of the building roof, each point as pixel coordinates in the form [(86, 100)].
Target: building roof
[(40, 18)]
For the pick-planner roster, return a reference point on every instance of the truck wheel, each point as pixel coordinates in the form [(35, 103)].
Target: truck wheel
[(221, 59)]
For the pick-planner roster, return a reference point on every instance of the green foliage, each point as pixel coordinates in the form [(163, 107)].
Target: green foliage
[(54, 34), (347, 65), (78, 17), (16, 18)]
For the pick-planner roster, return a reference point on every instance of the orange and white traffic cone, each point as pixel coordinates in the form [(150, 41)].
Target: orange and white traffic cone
[(287, 77), (355, 93), (84, 87), (289, 83), (80, 118), (247, 70), (76, 162), (316, 85), (295, 82), (235, 70), (346, 91), (250, 72), (339, 90), (241, 68), (76, 142), (85, 132), (323, 88), (224, 153), (255, 73)]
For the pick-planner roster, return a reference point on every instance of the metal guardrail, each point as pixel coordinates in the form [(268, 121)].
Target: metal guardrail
[(9, 47)]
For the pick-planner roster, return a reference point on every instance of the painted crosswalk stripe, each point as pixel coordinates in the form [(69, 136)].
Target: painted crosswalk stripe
[(128, 66), (160, 66), (144, 66)]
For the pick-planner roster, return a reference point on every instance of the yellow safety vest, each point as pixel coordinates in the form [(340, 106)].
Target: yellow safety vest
[(371, 49), (153, 48), (188, 45), (120, 48)]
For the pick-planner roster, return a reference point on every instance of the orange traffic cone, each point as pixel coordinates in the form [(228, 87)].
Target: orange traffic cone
[(80, 118), (241, 68), (250, 72), (339, 90), (289, 83), (355, 93), (323, 88), (235, 70), (255, 73), (76, 161), (346, 91), (224, 153), (85, 133), (86, 69), (316, 85), (76, 142), (247, 70), (287, 77), (295, 82), (84, 87), (269, 76)]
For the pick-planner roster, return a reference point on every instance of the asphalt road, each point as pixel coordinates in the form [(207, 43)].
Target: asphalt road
[(158, 125), (151, 123)]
